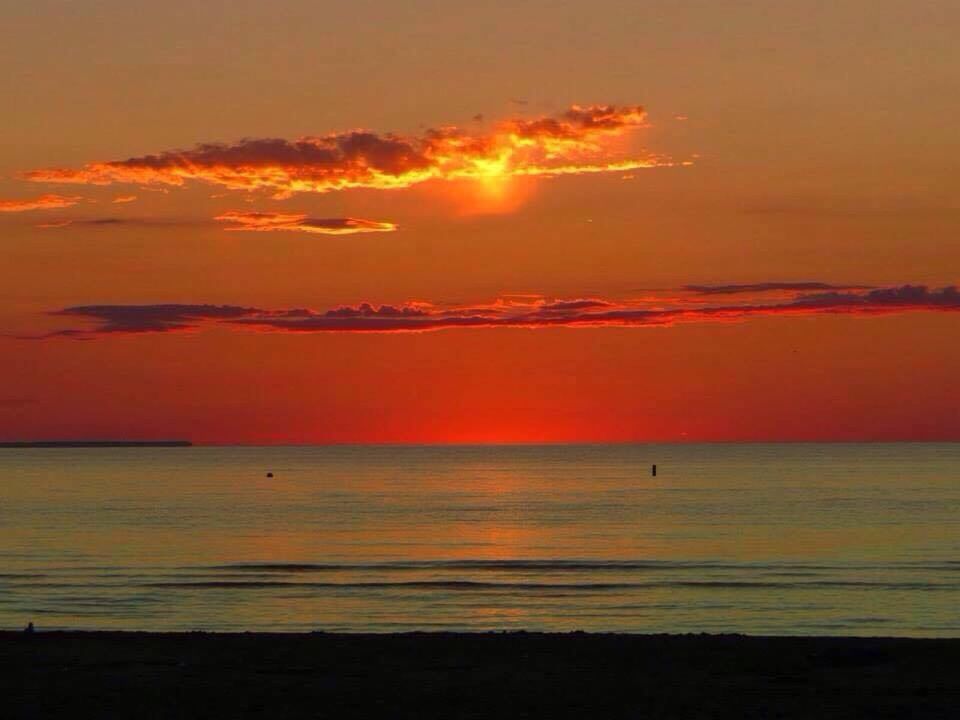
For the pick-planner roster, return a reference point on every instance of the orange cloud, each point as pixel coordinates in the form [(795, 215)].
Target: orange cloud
[(573, 142), (514, 312), (124, 199), (295, 222), (55, 224), (108, 222), (43, 202)]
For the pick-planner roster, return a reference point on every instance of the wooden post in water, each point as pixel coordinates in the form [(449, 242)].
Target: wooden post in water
[(653, 470)]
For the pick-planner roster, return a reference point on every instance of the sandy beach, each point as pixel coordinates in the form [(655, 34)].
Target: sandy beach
[(147, 675)]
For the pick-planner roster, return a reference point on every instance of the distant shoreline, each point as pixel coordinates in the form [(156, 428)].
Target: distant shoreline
[(96, 443)]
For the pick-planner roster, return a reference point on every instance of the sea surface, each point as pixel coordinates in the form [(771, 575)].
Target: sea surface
[(825, 539)]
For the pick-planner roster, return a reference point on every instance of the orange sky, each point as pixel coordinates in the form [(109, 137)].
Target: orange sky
[(454, 162)]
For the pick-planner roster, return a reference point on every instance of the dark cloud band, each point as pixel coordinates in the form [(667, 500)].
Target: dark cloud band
[(523, 313)]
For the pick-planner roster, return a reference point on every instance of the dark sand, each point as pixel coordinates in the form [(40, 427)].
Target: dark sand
[(141, 675)]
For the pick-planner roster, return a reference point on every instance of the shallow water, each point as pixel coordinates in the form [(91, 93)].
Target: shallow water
[(776, 539)]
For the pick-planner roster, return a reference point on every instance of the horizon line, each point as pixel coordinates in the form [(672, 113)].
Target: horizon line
[(186, 443)]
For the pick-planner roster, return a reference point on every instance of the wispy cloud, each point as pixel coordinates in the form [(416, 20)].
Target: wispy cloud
[(107, 222), (767, 287), (55, 224), (150, 318), (572, 142), (516, 312), (122, 199), (295, 222), (43, 202)]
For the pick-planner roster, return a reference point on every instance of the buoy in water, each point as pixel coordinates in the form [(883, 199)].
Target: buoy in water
[(269, 474)]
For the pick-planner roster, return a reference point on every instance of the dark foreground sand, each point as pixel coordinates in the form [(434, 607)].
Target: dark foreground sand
[(140, 675)]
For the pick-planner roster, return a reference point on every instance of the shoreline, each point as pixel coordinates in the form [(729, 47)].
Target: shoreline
[(475, 675), (81, 633)]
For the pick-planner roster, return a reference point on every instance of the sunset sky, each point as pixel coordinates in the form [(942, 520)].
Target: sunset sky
[(373, 221)]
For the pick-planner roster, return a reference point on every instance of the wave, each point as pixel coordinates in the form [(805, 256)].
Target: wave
[(587, 586), (21, 576), (441, 584), (561, 565)]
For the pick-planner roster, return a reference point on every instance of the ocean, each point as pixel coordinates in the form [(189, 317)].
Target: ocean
[(785, 539)]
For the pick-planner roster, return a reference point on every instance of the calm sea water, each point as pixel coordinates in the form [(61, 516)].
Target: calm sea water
[(784, 539)]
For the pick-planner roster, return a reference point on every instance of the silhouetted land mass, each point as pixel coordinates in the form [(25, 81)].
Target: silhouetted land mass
[(501, 675), (95, 443)]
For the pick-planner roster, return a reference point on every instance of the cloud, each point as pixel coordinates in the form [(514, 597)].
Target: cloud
[(569, 143), (43, 202), (55, 224), (111, 222), (120, 199), (880, 299), (767, 287), (269, 222), (150, 318), (568, 305), (526, 312)]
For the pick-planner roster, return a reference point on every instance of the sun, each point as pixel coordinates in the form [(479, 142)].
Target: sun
[(491, 188)]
